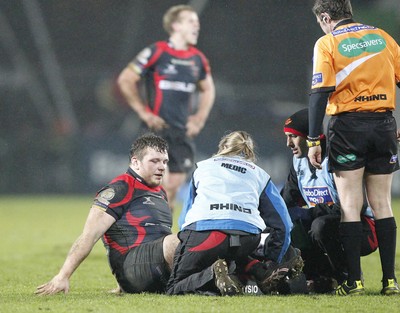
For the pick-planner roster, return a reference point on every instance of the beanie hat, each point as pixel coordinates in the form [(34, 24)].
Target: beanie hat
[(297, 123)]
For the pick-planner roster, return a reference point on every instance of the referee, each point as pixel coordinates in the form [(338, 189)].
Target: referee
[(355, 71)]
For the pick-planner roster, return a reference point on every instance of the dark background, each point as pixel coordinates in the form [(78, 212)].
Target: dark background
[(64, 127)]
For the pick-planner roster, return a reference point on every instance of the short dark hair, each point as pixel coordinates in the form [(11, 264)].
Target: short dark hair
[(148, 140), (337, 9)]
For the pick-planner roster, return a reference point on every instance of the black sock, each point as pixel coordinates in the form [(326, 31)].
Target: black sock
[(350, 234), (256, 269), (386, 234)]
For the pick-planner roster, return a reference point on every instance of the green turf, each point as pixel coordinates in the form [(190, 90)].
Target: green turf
[(37, 232)]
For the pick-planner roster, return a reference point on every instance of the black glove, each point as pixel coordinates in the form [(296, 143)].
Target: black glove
[(298, 213), (322, 209)]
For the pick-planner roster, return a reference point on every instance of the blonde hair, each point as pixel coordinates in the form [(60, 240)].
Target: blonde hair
[(237, 143), (172, 15)]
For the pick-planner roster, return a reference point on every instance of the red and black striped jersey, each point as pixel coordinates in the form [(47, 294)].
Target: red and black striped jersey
[(171, 78), (141, 212)]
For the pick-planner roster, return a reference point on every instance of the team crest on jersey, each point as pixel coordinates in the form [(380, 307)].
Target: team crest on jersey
[(300, 172), (317, 195), (170, 70), (195, 71), (105, 196)]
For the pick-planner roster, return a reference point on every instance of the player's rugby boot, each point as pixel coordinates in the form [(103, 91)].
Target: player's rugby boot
[(226, 285), (356, 289), (293, 261), (291, 266), (390, 287)]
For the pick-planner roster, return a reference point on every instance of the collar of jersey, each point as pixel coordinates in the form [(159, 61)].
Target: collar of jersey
[(344, 22)]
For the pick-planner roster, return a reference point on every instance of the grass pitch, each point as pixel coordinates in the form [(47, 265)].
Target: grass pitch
[(37, 232)]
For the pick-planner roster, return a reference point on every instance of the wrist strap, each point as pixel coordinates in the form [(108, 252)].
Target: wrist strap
[(313, 138), (313, 143)]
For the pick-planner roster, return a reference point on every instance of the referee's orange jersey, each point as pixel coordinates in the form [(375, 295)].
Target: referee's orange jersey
[(360, 66)]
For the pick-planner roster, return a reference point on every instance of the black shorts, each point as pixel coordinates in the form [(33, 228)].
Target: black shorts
[(357, 140), (181, 150), (145, 269), (198, 250)]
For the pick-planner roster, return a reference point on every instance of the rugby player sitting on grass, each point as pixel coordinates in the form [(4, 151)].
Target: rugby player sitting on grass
[(132, 216)]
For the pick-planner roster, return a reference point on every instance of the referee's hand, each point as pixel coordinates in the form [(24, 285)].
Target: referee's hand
[(314, 155)]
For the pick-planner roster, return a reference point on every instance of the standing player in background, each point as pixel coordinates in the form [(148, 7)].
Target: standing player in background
[(173, 70), (356, 68)]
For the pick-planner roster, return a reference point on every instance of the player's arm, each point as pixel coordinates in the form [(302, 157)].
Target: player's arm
[(96, 225), (274, 212), (197, 121), (128, 83), (290, 192), (316, 115), (398, 130)]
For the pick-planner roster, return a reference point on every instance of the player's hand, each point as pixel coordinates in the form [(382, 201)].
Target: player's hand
[(193, 126), (153, 122), (56, 285), (398, 135), (314, 155), (117, 291)]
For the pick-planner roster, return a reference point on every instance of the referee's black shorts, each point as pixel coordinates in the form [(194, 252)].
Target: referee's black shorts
[(363, 139)]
